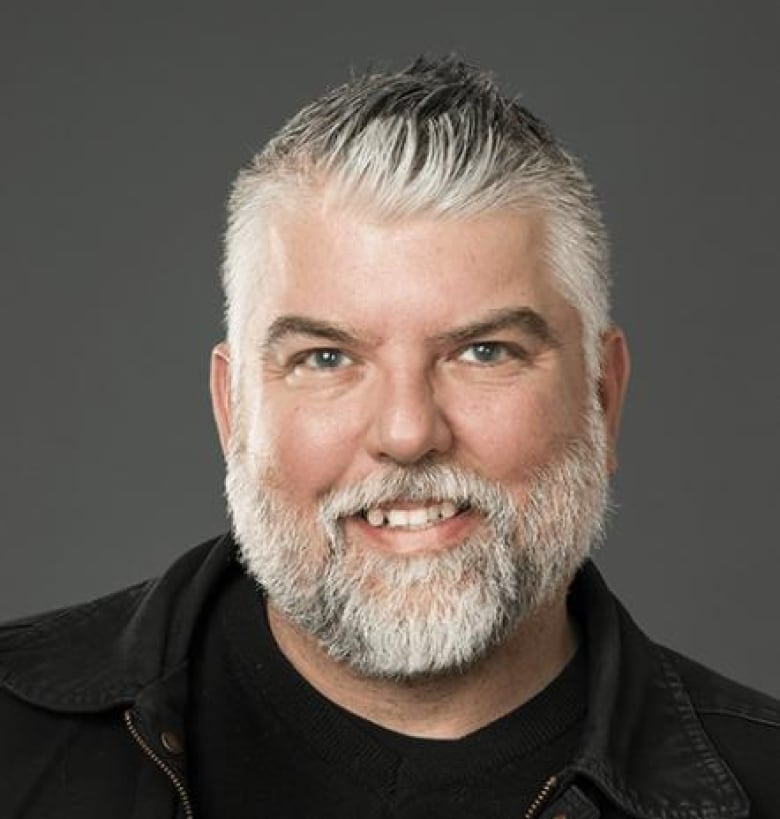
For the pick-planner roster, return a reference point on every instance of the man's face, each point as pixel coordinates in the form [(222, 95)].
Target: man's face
[(401, 373)]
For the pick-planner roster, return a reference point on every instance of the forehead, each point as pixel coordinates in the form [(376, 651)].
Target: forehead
[(414, 274)]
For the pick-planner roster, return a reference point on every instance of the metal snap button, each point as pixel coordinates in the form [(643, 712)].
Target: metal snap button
[(171, 742)]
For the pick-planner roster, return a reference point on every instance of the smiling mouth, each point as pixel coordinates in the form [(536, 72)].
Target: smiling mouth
[(410, 519)]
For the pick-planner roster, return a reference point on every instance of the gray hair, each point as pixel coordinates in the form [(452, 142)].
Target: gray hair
[(440, 139)]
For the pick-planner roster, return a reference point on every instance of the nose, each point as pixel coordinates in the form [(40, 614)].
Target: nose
[(409, 423)]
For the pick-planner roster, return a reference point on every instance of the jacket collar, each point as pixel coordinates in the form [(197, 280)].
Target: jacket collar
[(643, 745)]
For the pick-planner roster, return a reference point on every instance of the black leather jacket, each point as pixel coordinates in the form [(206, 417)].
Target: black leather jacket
[(93, 723)]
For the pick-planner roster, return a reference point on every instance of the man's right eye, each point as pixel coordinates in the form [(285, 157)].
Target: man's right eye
[(325, 359)]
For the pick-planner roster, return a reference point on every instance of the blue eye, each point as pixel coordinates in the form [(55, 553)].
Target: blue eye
[(326, 359), (485, 352)]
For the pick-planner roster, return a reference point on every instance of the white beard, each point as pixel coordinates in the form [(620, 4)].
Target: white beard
[(402, 617)]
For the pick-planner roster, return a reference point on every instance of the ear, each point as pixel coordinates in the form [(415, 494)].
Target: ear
[(615, 368), (219, 383)]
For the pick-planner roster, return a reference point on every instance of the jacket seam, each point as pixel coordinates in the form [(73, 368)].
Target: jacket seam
[(770, 721), (716, 771), (41, 695), (28, 632)]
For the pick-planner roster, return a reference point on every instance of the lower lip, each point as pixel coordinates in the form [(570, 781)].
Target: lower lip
[(443, 534)]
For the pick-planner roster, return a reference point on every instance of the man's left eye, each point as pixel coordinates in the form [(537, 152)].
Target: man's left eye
[(485, 352)]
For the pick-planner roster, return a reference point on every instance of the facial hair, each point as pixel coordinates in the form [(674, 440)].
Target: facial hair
[(407, 616)]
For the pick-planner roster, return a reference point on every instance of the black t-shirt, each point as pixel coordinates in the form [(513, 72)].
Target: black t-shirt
[(264, 743)]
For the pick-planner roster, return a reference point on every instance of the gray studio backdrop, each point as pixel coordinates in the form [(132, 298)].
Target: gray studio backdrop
[(120, 130)]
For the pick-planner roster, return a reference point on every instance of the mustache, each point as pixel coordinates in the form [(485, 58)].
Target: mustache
[(421, 483)]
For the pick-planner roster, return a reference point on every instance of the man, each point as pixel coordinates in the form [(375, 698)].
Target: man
[(419, 400)]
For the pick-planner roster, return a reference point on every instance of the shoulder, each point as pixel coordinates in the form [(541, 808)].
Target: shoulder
[(99, 654), (742, 723), (67, 676), (53, 739), (64, 644), (714, 694), (30, 629)]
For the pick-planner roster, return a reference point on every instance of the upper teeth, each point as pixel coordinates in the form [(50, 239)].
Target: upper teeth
[(411, 518)]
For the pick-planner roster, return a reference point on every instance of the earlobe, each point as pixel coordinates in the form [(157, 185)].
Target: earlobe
[(615, 368), (219, 382)]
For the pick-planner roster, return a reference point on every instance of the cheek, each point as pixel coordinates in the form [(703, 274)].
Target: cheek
[(310, 449), (508, 436)]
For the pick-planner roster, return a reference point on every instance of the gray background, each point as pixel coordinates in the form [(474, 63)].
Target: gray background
[(120, 130)]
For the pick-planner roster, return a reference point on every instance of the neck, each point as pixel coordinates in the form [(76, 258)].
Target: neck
[(445, 706)]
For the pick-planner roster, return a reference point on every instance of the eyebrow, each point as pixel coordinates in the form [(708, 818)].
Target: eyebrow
[(508, 318), (294, 325)]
